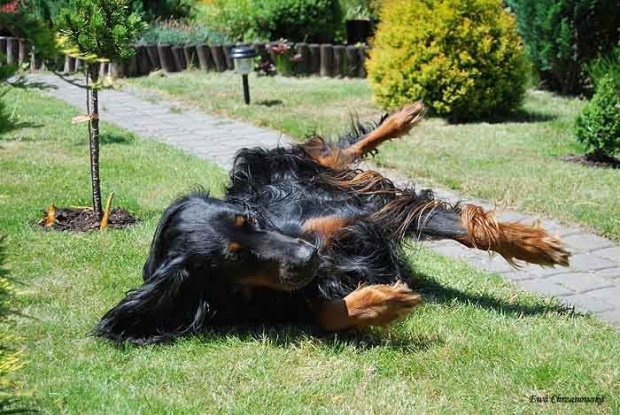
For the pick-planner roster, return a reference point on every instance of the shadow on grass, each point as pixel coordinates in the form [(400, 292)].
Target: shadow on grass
[(107, 138), (23, 82), (520, 116), (438, 293), (269, 102), (402, 341)]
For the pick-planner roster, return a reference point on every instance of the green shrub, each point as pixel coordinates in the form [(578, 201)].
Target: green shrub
[(561, 36), (176, 32), (605, 65), (463, 58), (150, 10), (163, 9), (295, 20), (598, 125)]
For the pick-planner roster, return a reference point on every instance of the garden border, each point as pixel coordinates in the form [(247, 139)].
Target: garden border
[(326, 60)]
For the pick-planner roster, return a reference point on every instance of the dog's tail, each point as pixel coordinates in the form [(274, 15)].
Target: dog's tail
[(169, 304), (419, 215)]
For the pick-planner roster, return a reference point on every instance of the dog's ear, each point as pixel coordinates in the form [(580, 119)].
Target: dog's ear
[(169, 304)]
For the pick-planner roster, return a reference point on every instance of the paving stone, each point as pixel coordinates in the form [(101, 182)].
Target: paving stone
[(580, 282), (545, 287), (536, 271), (586, 242), (587, 302), (612, 316), (613, 253), (518, 276), (609, 295), (586, 262), (611, 274)]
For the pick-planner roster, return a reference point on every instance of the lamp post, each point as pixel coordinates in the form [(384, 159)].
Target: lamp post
[(243, 57)]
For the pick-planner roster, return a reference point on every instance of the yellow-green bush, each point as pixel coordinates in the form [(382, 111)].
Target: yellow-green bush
[(463, 58)]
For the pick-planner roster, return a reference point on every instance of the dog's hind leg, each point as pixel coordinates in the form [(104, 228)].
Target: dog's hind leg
[(372, 305), (394, 126), (341, 157), (473, 227)]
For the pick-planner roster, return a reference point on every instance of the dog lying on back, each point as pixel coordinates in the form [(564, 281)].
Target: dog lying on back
[(301, 236)]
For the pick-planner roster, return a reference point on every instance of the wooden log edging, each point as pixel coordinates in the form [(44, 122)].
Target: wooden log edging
[(324, 60)]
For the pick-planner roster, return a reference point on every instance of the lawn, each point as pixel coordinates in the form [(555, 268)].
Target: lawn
[(516, 162), (477, 345)]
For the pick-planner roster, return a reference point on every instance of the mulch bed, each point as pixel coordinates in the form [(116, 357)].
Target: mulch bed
[(84, 219), (588, 160)]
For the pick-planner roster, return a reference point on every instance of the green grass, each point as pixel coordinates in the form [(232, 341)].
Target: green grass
[(478, 345), (517, 162)]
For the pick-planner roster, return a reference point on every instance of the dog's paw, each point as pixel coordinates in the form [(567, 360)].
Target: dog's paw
[(379, 305)]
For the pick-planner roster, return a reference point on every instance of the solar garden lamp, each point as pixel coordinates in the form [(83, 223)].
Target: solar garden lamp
[(243, 57)]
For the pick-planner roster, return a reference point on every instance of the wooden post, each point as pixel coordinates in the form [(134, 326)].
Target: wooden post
[(203, 52), (152, 52), (315, 58), (132, 66), (352, 61), (227, 53), (327, 60), (24, 50), (303, 65), (362, 54), (69, 64), (3, 49), (103, 69), (12, 50), (340, 61), (191, 60), (165, 57), (179, 58), (217, 51), (144, 63)]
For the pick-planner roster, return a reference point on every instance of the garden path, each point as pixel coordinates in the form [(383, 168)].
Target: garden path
[(590, 284)]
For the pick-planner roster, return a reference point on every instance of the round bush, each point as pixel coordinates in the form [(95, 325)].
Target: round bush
[(598, 126), (462, 58)]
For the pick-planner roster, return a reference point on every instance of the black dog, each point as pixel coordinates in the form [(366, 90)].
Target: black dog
[(302, 237)]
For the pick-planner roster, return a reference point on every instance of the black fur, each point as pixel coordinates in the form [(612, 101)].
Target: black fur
[(192, 281)]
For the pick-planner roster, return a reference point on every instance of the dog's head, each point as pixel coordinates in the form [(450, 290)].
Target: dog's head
[(228, 243), (203, 244)]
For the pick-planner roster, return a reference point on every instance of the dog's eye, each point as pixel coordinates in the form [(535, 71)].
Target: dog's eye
[(251, 220)]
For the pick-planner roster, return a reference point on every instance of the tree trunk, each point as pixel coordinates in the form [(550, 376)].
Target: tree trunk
[(93, 127)]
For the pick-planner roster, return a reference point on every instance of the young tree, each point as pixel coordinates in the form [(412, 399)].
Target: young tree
[(99, 29)]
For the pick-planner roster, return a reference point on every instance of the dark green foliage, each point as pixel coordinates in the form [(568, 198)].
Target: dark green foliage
[(48, 10), (598, 126), (162, 9), (605, 65), (561, 36), (294, 20), (298, 20), (27, 24), (105, 28), (174, 33)]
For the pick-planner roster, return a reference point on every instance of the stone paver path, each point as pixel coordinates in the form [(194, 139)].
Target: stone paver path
[(592, 283)]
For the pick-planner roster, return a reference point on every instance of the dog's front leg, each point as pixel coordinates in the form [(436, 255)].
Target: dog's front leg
[(372, 305)]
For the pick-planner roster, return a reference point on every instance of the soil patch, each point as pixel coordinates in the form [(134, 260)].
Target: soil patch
[(587, 160), (84, 219)]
